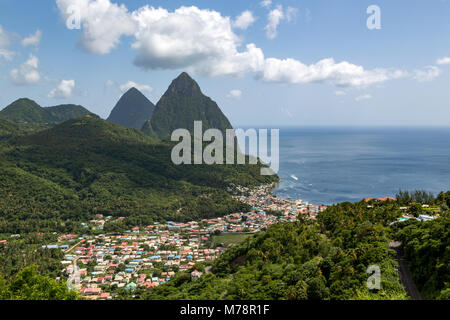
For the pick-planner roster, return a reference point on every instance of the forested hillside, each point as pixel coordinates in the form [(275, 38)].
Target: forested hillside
[(426, 247), (323, 259), (28, 114), (52, 179)]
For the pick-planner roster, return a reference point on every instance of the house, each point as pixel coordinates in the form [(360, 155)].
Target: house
[(105, 296), (424, 217), (385, 199), (195, 275), (131, 286), (91, 291)]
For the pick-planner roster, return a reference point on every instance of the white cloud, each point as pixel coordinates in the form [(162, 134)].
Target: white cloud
[(445, 60), (244, 20), (6, 54), (342, 74), (130, 84), (291, 13), (235, 94), (363, 97), (202, 42), (103, 22), (4, 44), (64, 90), (266, 3), (32, 40), (427, 74), (27, 73), (109, 83), (274, 18)]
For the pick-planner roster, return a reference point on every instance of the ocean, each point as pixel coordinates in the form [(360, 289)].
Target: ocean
[(332, 165)]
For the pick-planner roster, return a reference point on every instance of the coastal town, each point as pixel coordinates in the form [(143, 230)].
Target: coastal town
[(145, 257)]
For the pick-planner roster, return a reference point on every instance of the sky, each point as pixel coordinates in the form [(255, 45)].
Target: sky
[(266, 63)]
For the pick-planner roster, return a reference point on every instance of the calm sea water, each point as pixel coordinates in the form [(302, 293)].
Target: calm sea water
[(348, 164)]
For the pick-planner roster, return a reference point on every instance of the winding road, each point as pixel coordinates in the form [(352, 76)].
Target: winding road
[(70, 282), (405, 275)]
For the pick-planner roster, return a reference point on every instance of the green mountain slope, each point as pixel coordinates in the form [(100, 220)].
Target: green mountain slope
[(132, 110), (84, 166), (8, 128), (86, 132), (182, 104), (148, 130), (66, 112), (426, 248), (31, 116), (26, 111)]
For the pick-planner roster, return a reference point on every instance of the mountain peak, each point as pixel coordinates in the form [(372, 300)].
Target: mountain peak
[(132, 90), (25, 110), (183, 104), (185, 85), (132, 110), (23, 100)]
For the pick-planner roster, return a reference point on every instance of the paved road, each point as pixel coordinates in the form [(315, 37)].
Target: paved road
[(75, 273), (405, 275), (71, 248)]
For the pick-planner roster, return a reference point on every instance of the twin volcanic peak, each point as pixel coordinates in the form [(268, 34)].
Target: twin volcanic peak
[(181, 105), (132, 110)]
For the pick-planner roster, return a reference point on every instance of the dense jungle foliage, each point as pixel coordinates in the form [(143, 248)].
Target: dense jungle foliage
[(426, 247), (323, 259), (52, 179)]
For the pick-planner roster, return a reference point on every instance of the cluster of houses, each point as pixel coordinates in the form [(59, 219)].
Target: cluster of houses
[(261, 198), (146, 257), (100, 264), (150, 256)]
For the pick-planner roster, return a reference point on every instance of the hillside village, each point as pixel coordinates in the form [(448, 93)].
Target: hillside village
[(147, 257)]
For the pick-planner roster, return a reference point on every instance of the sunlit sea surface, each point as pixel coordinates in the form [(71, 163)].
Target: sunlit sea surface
[(332, 165)]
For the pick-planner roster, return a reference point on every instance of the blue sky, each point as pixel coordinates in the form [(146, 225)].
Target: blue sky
[(397, 75)]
